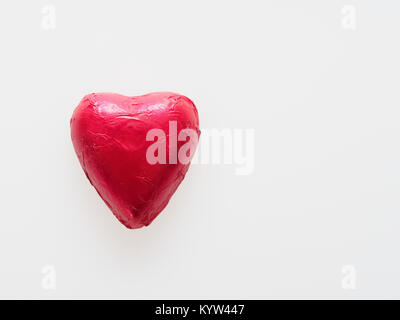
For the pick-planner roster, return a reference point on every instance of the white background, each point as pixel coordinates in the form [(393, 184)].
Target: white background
[(323, 100)]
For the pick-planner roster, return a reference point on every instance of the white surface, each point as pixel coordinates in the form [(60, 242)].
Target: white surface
[(324, 103)]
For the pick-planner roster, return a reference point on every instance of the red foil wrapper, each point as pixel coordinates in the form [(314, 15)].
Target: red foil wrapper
[(135, 151)]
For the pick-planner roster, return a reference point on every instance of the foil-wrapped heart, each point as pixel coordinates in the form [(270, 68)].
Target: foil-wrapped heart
[(135, 151)]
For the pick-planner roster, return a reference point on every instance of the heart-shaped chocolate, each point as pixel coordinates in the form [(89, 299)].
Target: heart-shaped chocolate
[(135, 151)]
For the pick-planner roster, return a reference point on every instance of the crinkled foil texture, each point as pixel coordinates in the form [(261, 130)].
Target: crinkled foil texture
[(108, 132)]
